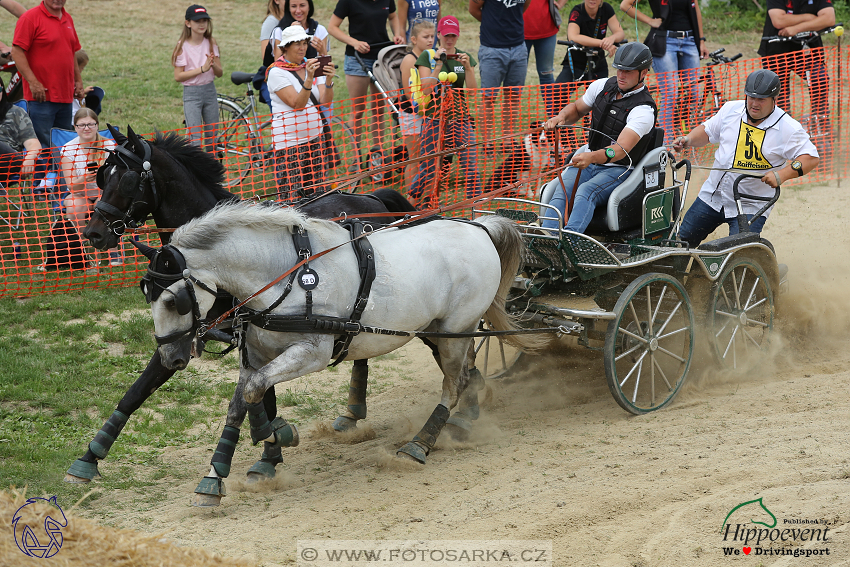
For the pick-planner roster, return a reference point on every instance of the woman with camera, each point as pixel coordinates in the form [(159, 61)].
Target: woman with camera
[(297, 87)]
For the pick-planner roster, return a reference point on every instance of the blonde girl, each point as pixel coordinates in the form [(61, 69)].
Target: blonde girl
[(421, 38), (197, 63)]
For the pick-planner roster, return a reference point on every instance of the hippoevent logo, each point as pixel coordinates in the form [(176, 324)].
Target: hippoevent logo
[(761, 533), (45, 544)]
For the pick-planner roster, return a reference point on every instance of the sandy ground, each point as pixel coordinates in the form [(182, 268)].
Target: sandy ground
[(554, 458)]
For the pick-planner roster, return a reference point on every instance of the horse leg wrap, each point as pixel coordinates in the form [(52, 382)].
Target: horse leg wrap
[(223, 455), (266, 465), (285, 434), (261, 429), (424, 441), (357, 389), (104, 439)]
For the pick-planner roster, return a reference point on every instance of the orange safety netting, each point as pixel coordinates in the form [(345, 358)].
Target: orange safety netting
[(42, 251)]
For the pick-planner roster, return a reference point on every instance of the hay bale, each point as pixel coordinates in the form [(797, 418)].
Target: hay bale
[(87, 543)]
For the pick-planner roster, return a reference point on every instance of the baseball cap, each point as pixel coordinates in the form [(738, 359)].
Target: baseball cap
[(197, 12), (448, 26)]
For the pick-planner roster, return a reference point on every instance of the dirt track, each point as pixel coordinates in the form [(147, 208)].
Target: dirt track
[(553, 456)]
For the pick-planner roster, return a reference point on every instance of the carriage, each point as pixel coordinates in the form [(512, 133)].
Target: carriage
[(630, 289)]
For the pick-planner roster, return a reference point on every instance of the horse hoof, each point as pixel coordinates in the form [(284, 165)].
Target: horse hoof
[(458, 428), (206, 500), (80, 472), (76, 479), (209, 492), (412, 451), (343, 424), (261, 470)]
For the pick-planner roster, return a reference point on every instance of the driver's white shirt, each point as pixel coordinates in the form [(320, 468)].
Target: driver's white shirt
[(783, 139), (640, 120)]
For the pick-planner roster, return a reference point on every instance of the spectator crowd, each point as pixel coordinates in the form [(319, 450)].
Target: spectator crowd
[(297, 79)]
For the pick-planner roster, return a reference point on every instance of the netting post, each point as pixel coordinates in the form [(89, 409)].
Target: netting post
[(838, 136)]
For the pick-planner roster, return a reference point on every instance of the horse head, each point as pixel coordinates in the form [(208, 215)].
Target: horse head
[(167, 178), (125, 200), (179, 304)]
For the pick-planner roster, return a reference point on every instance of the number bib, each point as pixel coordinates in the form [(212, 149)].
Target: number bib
[(748, 150)]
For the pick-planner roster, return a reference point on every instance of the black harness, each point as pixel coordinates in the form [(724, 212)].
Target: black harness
[(167, 266), (346, 327), (129, 186)]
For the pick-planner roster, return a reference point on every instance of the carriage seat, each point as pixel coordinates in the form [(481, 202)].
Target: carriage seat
[(625, 205), (624, 210)]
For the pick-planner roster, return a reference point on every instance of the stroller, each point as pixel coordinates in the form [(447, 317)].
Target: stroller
[(385, 74)]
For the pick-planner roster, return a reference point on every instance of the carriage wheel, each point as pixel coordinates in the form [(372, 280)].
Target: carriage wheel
[(740, 313), (649, 345), (494, 357)]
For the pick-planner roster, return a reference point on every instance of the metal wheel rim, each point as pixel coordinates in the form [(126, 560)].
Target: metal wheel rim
[(649, 346)]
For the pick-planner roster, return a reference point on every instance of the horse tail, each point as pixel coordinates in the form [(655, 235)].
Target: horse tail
[(509, 245), (394, 201)]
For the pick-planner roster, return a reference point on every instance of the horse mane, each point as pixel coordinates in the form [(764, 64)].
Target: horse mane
[(203, 232), (209, 172)]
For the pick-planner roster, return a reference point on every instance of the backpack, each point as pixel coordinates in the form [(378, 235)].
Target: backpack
[(420, 100)]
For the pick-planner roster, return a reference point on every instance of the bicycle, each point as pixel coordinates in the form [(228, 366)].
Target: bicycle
[(690, 115), (816, 122), (243, 143), (591, 55)]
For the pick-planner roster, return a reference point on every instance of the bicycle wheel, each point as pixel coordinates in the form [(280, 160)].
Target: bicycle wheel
[(237, 145)]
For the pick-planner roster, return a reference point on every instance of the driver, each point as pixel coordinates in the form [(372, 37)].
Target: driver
[(752, 134), (623, 110)]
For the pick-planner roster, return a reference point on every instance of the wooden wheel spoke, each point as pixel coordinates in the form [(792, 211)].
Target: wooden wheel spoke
[(750, 296), (671, 333), (634, 314), (663, 376), (649, 308), (756, 304), (658, 306), (757, 323), (634, 336), (749, 336), (668, 353), (731, 341), (636, 364), (669, 318), (637, 381), (628, 352)]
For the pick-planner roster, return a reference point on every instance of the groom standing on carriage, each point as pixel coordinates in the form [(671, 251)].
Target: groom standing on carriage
[(623, 118)]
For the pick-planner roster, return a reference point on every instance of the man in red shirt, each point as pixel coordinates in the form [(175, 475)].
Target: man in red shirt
[(43, 50)]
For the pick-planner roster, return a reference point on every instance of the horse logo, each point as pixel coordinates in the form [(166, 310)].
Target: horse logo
[(742, 504), (26, 538)]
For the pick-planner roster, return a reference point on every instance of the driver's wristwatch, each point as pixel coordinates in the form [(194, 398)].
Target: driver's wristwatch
[(609, 154), (798, 167)]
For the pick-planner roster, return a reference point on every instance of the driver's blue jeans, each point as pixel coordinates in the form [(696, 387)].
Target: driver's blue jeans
[(596, 184), (701, 220)]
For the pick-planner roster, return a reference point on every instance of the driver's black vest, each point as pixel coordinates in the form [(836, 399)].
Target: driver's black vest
[(609, 118)]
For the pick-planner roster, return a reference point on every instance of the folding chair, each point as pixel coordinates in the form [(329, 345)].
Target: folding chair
[(58, 138), (12, 205)]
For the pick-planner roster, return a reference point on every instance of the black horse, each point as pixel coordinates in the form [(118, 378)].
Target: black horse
[(173, 182)]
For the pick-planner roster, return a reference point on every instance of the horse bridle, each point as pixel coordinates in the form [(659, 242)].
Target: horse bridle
[(155, 281), (130, 186)]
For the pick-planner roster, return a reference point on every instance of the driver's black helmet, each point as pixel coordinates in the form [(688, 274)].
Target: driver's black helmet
[(762, 84), (633, 56)]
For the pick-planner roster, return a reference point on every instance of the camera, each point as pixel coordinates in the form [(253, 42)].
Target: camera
[(452, 55), (92, 166)]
